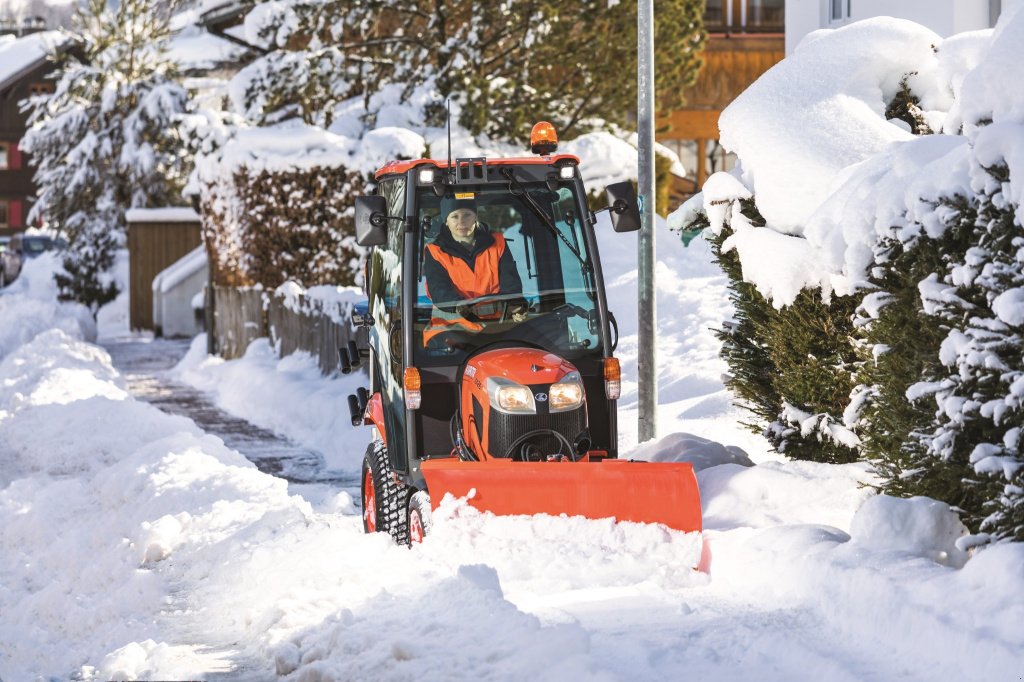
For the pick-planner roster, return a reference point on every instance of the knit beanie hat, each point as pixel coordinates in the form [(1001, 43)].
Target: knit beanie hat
[(450, 203)]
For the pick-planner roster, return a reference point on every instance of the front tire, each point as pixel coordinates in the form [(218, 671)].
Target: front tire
[(384, 497), (419, 520)]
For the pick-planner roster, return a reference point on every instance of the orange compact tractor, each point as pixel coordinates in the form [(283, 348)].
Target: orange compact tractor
[(490, 346)]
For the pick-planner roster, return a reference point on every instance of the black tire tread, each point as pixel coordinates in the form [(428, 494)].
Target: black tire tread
[(392, 495)]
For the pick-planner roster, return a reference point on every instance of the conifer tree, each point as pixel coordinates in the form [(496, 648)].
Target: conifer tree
[(980, 393), (791, 368), (105, 140), (902, 341)]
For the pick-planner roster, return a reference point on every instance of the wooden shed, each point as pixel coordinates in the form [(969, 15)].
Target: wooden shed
[(157, 238)]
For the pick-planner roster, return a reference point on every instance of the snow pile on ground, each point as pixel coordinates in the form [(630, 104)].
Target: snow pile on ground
[(28, 306), (134, 546)]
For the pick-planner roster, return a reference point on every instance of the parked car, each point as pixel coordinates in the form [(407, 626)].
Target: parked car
[(20, 248)]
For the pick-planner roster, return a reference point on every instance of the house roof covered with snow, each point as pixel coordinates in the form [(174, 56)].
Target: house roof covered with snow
[(20, 56)]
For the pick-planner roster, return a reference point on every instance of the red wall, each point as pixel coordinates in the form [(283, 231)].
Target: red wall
[(16, 208)]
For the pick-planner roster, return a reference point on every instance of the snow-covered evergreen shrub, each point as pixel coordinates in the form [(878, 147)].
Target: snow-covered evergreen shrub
[(792, 367), (979, 297), (901, 346), (105, 140), (276, 204)]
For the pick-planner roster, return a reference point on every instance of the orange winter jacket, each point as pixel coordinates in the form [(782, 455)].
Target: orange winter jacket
[(455, 272)]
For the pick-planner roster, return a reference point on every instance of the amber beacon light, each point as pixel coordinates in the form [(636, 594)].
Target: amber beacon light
[(543, 139)]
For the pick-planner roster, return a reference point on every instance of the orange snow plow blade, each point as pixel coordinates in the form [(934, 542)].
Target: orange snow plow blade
[(644, 492)]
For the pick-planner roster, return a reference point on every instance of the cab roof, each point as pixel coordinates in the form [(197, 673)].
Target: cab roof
[(398, 167)]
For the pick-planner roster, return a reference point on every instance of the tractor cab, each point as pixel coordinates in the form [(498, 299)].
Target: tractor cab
[(490, 336)]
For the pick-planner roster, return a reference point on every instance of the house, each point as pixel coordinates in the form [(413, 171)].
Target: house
[(945, 17), (24, 67)]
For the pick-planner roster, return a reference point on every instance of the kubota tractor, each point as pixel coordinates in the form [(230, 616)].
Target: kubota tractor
[(516, 410)]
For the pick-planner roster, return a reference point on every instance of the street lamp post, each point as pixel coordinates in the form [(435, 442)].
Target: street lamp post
[(646, 358)]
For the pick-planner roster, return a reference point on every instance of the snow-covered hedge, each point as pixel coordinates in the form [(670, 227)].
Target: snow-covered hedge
[(277, 206), (900, 251)]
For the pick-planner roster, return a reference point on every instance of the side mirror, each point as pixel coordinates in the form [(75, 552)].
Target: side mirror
[(371, 221), (622, 206), (361, 314)]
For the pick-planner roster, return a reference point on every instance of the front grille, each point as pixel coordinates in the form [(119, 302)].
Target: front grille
[(504, 429)]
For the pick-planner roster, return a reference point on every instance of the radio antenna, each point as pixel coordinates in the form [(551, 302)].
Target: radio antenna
[(448, 103)]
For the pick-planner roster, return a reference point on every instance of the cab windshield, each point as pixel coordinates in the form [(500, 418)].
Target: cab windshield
[(549, 301)]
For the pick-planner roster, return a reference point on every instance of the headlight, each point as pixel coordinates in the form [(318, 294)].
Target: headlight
[(566, 172), (426, 176), (511, 397), (565, 395)]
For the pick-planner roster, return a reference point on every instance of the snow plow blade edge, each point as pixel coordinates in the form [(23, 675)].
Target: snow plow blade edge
[(643, 492)]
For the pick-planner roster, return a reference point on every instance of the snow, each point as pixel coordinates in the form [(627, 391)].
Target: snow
[(1009, 306), (178, 271), (822, 110), (133, 545), (885, 523), (18, 54), (831, 176), (192, 48), (989, 91), (161, 215)]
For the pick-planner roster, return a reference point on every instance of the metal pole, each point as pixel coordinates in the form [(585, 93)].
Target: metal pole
[(646, 360)]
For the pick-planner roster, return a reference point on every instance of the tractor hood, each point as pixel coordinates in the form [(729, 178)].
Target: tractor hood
[(525, 366)]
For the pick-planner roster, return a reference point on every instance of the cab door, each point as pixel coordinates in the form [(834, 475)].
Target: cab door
[(385, 307)]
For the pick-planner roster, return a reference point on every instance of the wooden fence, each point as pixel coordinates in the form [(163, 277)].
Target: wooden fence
[(238, 319), (317, 332), (242, 315)]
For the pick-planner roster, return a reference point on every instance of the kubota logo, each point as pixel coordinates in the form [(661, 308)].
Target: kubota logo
[(541, 397)]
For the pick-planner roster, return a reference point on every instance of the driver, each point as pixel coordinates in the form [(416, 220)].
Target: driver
[(466, 261)]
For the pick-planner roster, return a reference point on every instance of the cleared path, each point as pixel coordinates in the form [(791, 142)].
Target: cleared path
[(144, 364)]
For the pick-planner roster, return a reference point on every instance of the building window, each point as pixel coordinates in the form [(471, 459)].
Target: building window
[(765, 15), (839, 10), (5, 220), (744, 16), (41, 89), (5, 155), (714, 16)]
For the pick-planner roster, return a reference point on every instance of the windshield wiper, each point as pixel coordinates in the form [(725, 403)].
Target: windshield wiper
[(524, 194)]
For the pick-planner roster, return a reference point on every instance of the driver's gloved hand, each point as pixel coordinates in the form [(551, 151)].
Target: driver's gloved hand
[(518, 308)]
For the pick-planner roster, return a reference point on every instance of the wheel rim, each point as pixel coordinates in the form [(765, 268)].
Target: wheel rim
[(369, 503), (415, 526)]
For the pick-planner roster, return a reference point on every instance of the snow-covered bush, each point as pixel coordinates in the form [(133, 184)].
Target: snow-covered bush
[(791, 367), (901, 252), (277, 206), (105, 140), (979, 393)]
